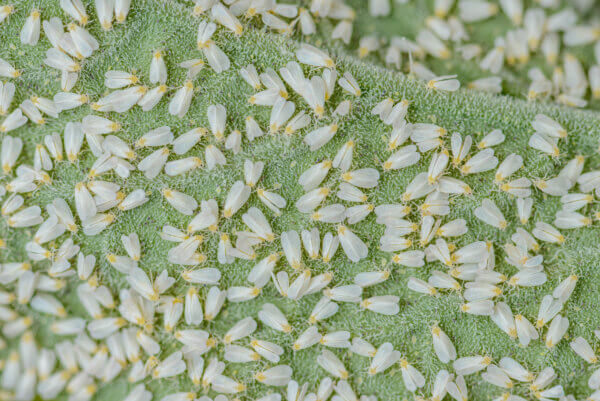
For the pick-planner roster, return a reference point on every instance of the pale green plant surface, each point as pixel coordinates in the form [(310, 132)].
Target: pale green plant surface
[(168, 25)]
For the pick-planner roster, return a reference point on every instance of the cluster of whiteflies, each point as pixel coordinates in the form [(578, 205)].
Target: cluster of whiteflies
[(122, 332), (542, 31), (473, 265), (69, 49), (284, 18)]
